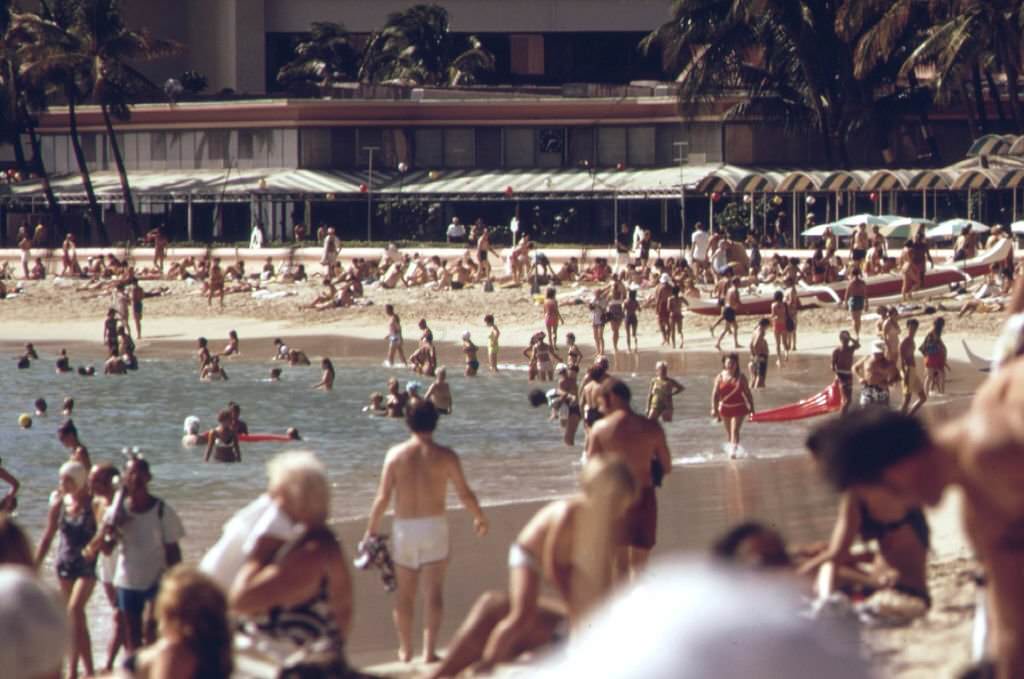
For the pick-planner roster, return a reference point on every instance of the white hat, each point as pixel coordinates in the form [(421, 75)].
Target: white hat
[(665, 278), (32, 624), (191, 425), (413, 385), (878, 347), (466, 335), (560, 367)]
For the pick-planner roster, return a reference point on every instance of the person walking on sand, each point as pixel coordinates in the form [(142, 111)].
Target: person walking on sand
[(732, 304), (137, 294), (856, 299), (25, 245), (632, 309), (842, 368), (675, 320), (394, 336), (215, 283), (731, 400), (493, 334), (622, 434), (659, 398), (552, 316), (417, 474), (792, 300), (911, 380), (758, 366)]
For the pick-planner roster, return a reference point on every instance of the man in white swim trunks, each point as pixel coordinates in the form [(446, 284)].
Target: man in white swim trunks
[(417, 473)]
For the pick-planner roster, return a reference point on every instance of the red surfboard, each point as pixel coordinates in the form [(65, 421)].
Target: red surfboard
[(264, 438)]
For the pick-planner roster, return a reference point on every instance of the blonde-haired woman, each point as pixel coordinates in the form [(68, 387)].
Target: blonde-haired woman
[(308, 587), (663, 388), (73, 515), (194, 635)]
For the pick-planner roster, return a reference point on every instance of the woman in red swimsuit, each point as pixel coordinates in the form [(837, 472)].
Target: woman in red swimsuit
[(731, 400)]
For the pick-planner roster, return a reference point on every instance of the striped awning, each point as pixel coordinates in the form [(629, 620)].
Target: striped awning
[(931, 179), (739, 180), (991, 145), (802, 181), (991, 178), (844, 181), (889, 180)]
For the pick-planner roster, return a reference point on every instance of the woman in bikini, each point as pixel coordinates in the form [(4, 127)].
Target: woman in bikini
[(573, 355), (663, 388), (540, 353), (731, 400), (327, 378), (552, 316), (492, 342), (616, 314), (632, 310), (72, 514), (223, 442)]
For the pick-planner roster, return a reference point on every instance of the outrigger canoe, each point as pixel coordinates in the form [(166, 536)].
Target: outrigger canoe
[(829, 400), (882, 285)]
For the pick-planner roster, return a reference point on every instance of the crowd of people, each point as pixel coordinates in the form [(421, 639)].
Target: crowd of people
[(289, 591)]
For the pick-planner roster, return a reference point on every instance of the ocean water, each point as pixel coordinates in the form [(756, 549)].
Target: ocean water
[(510, 451)]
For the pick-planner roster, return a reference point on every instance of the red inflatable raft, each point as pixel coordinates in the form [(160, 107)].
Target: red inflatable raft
[(827, 401), (264, 438)]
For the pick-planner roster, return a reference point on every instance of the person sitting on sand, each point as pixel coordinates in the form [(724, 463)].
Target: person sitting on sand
[(326, 382), (440, 392), (568, 543), (235, 272), (38, 271), (212, 371), (874, 514), (193, 436), (222, 440), (417, 473), (325, 299)]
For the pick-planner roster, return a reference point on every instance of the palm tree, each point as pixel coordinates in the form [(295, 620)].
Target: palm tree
[(967, 37), (325, 59), (417, 47), (82, 47), (782, 57)]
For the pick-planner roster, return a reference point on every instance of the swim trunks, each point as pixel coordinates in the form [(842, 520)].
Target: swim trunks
[(857, 254), (419, 542), (855, 302), (729, 314), (473, 365), (520, 557), (641, 521), (871, 395), (137, 309), (760, 365)]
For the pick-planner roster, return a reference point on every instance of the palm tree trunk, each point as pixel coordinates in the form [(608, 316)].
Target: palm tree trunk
[(126, 191), (979, 97), (40, 168), (997, 97), (76, 144), (969, 109)]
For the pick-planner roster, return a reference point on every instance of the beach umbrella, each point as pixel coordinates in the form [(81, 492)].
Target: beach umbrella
[(840, 230), (868, 219), (951, 228), (1017, 228), (903, 227)]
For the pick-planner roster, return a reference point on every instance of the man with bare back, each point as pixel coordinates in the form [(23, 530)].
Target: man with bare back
[(624, 435), (875, 372), (842, 367), (417, 473)]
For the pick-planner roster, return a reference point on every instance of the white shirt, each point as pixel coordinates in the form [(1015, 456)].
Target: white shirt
[(700, 245), (256, 238), (456, 230), (141, 557)]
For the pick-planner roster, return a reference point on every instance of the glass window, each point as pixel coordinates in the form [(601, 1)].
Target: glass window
[(488, 147), (641, 146), (428, 149), (245, 145), (459, 147), (369, 138), (216, 144), (343, 147), (611, 146), (520, 143), (88, 141), (581, 146)]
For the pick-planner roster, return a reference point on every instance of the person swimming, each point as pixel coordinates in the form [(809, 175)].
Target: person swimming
[(193, 437)]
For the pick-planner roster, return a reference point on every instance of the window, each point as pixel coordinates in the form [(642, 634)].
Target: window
[(526, 54), (88, 146), (520, 143), (428, 149), (369, 138), (641, 146), (158, 146), (581, 146), (459, 147), (488, 147), (611, 146), (217, 145), (343, 147), (245, 145)]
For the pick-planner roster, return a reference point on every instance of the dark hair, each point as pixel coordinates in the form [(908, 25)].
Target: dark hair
[(778, 296), (550, 294), (421, 417), (913, 323), (764, 322), (727, 546), (857, 448), (536, 398), (597, 372), (67, 428), (617, 388), (40, 404), (489, 318)]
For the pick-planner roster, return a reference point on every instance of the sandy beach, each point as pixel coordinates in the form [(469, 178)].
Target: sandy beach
[(698, 501)]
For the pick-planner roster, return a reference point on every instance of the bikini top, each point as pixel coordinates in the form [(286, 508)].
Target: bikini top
[(873, 529)]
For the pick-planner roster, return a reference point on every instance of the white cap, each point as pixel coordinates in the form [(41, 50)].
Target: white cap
[(665, 278), (191, 424), (690, 620), (878, 347), (560, 367), (412, 385), (32, 625), (466, 335)]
